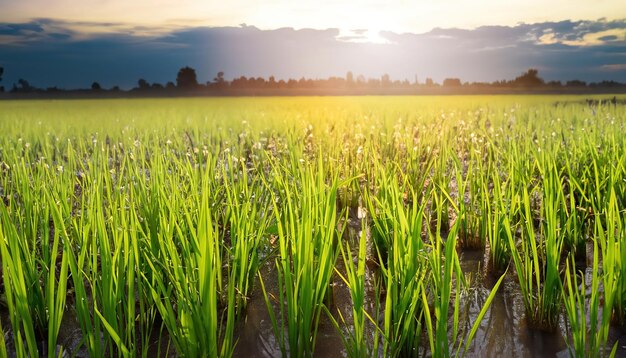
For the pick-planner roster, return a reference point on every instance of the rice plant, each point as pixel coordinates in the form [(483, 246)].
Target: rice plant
[(148, 221)]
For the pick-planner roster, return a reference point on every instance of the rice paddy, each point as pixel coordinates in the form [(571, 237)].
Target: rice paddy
[(326, 226)]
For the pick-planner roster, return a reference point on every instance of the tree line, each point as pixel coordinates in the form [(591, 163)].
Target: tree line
[(187, 83)]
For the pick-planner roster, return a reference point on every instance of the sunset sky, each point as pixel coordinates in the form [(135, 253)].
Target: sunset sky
[(397, 16), (71, 43)]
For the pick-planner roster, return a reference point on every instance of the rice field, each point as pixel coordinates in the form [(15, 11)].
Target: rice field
[(314, 226)]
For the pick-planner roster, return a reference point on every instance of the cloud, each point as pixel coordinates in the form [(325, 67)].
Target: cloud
[(615, 67), (599, 38), (51, 52)]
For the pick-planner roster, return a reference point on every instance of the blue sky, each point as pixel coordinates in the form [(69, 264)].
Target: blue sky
[(72, 50)]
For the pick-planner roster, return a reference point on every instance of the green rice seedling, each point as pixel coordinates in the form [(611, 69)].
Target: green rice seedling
[(609, 234), (614, 253), (381, 207), (115, 258), (537, 265), (441, 179), (404, 268), (56, 287), (576, 215), (3, 345), (447, 282), (248, 212), (587, 321), (90, 326), (469, 220), (355, 340), (16, 289), (35, 285), (444, 263), (475, 228), (307, 231), (186, 294), (554, 237), (575, 305), (495, 211)]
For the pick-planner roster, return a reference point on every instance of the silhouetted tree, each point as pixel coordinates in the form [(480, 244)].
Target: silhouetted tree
[(607, 84), (143, 84), (170, 85), (529, 79), (452, 82), (361, 80), (272, 82), (576, 83), (96, 86), (1, 72), (385, 80), (219, 80), (350, 78), (22, 86), (186, 78)]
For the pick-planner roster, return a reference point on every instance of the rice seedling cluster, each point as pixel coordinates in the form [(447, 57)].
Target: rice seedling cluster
[(148, 222)]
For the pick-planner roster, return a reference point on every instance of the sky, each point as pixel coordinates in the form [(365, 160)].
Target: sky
[(390, 15), (73, 43)]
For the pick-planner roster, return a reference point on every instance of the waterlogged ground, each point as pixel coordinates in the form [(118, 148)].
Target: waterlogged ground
[(345, 134), (503, 332)]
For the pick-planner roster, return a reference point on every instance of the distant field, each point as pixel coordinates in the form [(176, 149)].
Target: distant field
[(326, 226)]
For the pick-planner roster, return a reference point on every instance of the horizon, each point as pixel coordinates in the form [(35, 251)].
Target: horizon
[(116, 44)]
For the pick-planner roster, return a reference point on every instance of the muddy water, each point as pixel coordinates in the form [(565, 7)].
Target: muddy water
[(504, 330), (256, 337)]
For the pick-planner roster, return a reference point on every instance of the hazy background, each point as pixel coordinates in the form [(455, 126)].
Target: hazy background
[(72, 44)]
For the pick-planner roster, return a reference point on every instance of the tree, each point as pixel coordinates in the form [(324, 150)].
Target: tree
[(96, 86), (529, 79), (1, 72), (23, 86), (219, 80), (272, 82), (452, 82), (385, 80), (186, 78), (576, 83), (143, 84), (350, 78)]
